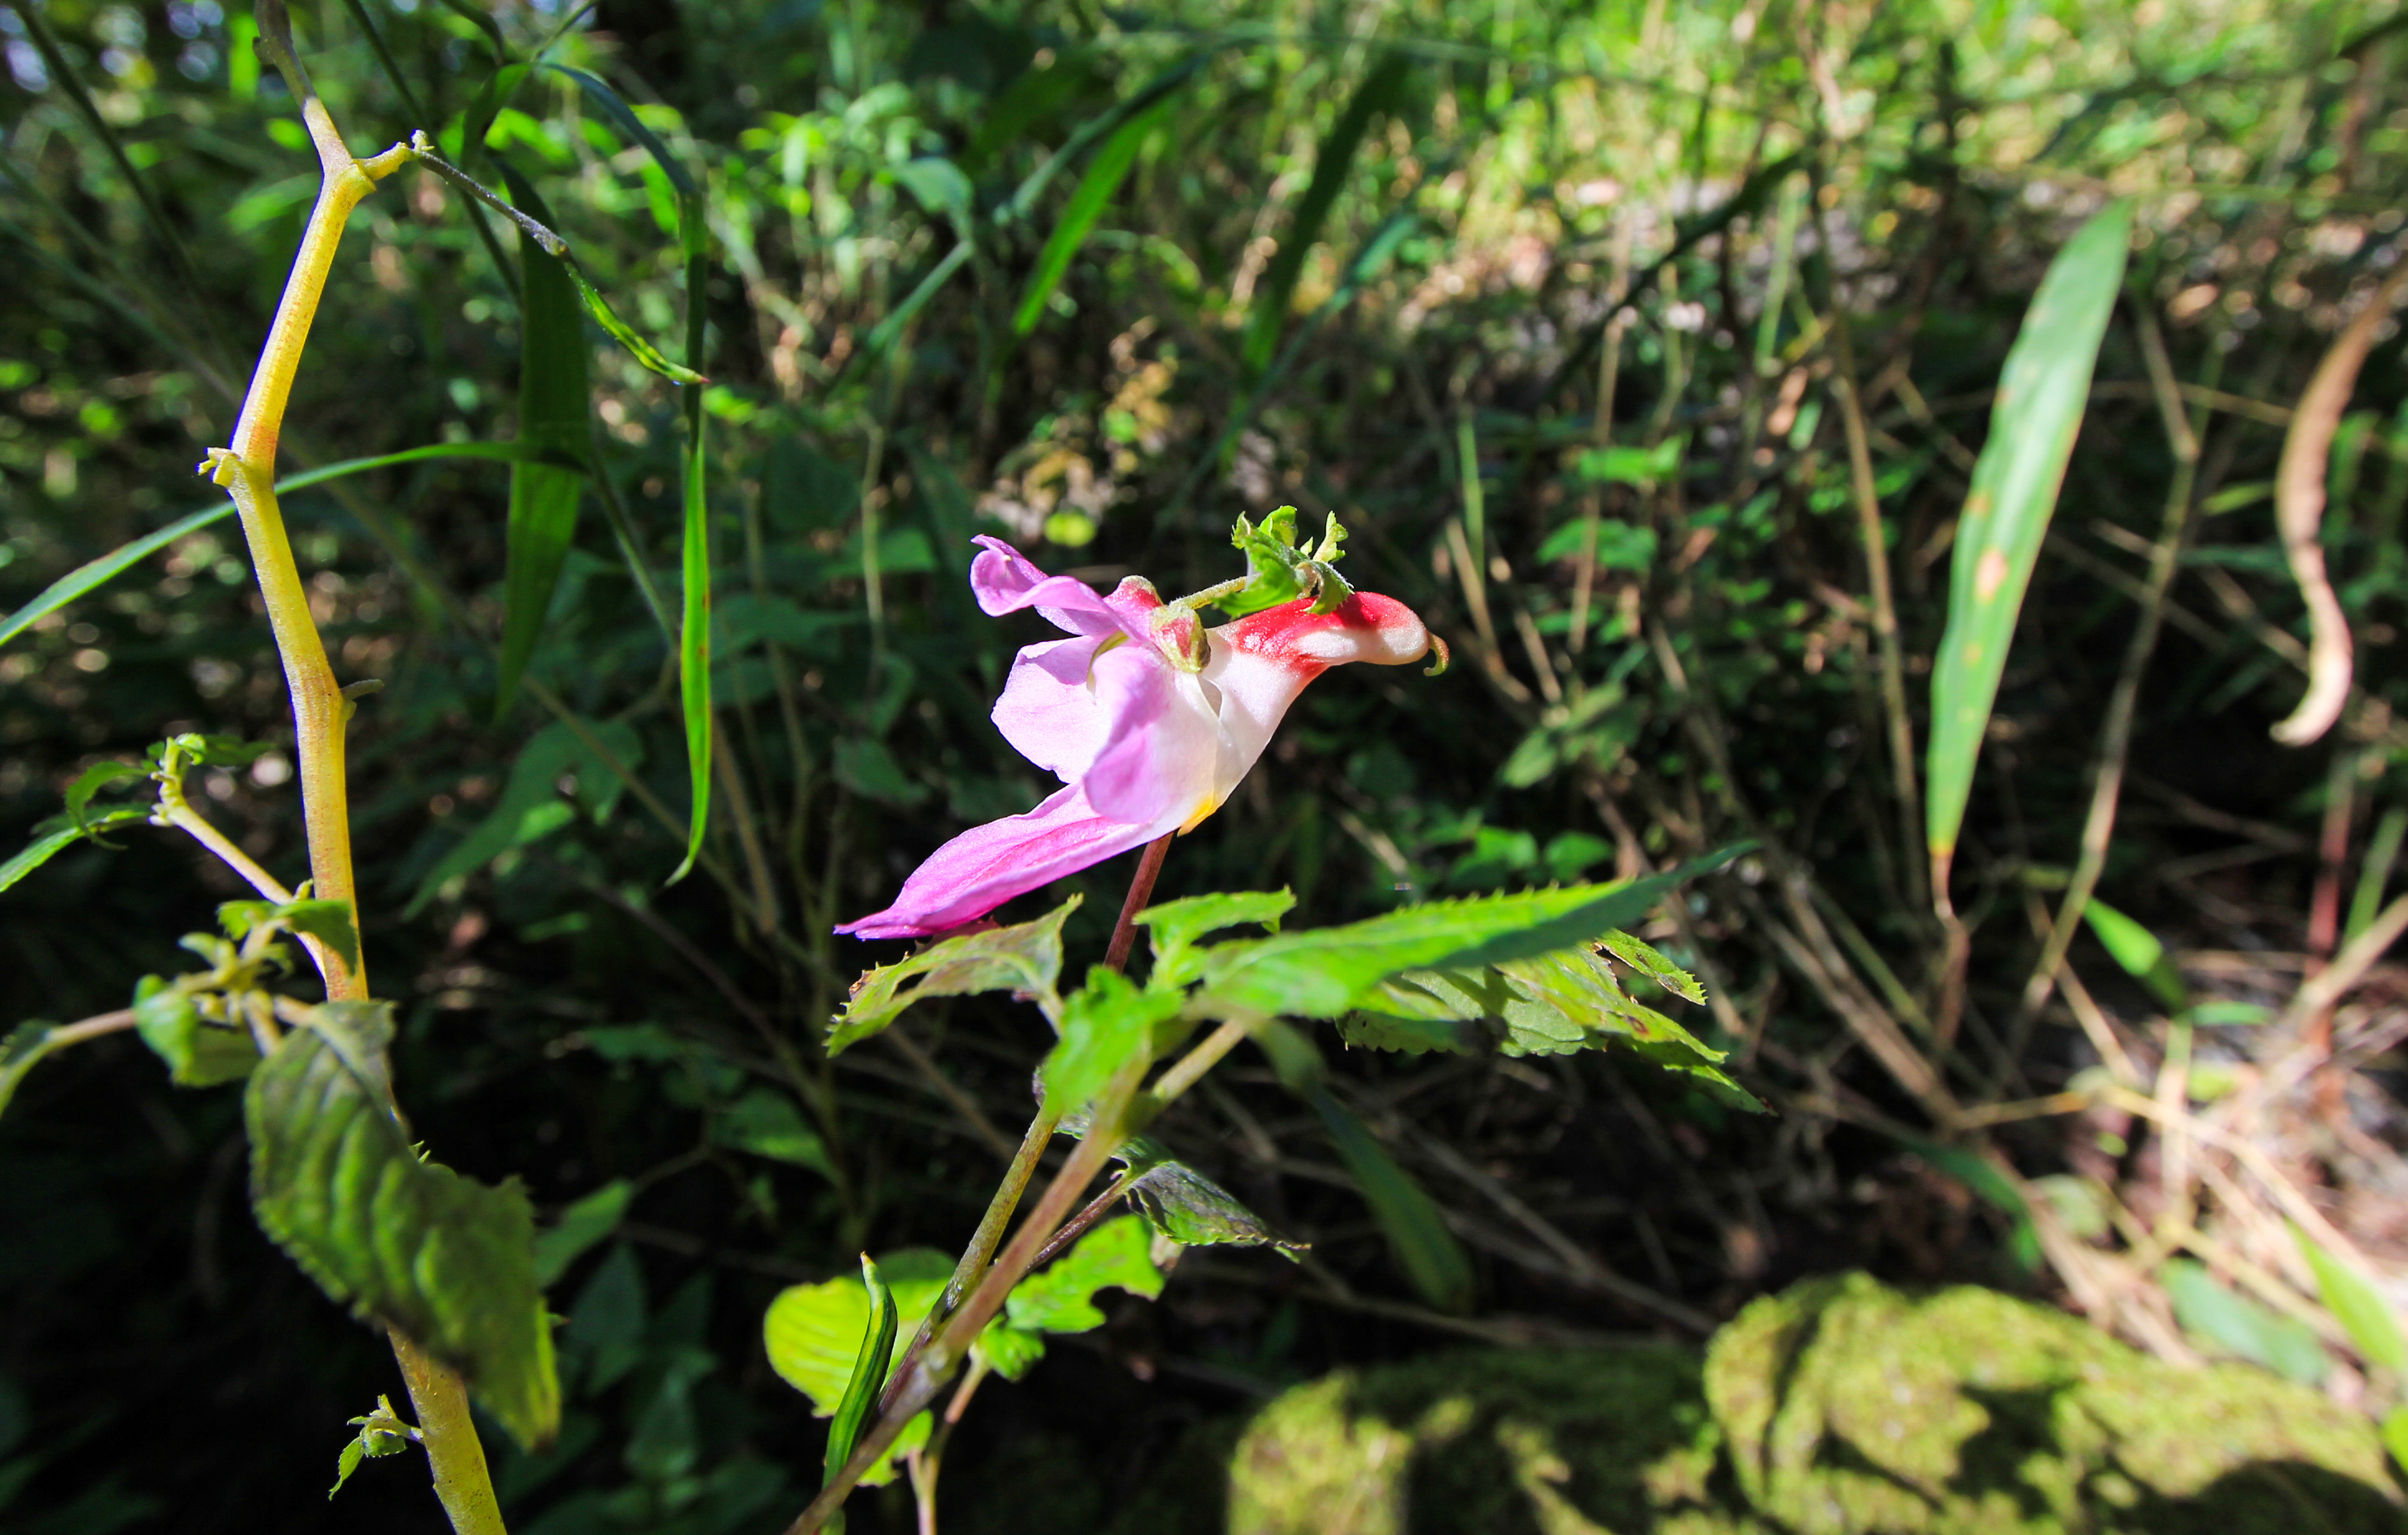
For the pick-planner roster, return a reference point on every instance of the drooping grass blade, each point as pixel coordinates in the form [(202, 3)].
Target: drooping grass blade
[(1105, 173), (2040, 403), (554, 400), (694, 636)]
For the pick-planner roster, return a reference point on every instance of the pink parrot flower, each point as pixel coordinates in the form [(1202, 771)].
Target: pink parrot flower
[(1149, 723)]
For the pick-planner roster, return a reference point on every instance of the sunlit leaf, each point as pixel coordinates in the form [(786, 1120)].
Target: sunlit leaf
[(812, 1335), (2235, 1324), (1104, 1025), (198, 1053), (1023, 956), (2359, 1308), (1174, 926), (1327, 972), (1061, 1297), (2040, 399), (1104, 175), (52, 838)]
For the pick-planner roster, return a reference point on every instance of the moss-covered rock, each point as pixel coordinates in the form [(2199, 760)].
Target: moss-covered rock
[(1516, 1443), (1839, 1408), (1847, 1407)]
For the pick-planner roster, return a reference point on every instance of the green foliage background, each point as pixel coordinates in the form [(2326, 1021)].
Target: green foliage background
[(1101, 281)]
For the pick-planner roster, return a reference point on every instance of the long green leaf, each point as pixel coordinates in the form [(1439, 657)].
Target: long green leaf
[(1327, 972), (1408, 1216), (625, 116), (49, 843), (1105, 173), (84, 578), (2357, 1306), (555, 404), (2040, 403), (410, 1243), (1277, 289), (693, 636), (869, 1371)]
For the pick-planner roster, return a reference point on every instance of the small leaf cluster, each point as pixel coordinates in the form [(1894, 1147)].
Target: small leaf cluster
[(1281, 571)]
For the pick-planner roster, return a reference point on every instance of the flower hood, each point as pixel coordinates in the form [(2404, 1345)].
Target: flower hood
[(1150, 721)]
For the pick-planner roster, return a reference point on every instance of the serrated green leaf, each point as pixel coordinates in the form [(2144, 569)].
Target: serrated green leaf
[(94, 778), (2357, 1306), (1274, 568), (581, 1226), (2235, 1324), (1193, 1211), (199, 1053), (1328, 972), (1173, 926), (52, 838), (1023, 956), (554, 411), (2040, 399), (1104, 175), (812, 1335), (767, 1123), (1062, 1296), (1654, 966), (869, 1365), (1105, 1024), (1391, 1022), (410, 1243)]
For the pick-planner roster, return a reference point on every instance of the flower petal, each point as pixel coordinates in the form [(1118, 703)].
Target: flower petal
[(987, 865), (1058, 712), (1005, 582), (1164, 742), (1261, 662)]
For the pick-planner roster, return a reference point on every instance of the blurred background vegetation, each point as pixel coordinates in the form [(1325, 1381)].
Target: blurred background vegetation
[(1607, 328)]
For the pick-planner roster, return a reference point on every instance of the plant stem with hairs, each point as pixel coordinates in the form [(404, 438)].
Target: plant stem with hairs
[(247, 470)]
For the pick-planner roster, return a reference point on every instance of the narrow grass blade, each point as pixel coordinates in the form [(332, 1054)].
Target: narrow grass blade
[(1105, 174), (2015, 483), (693, 638), (554, 401), (1408, 1216), (625, 116), (1024, 199), (85, 578), (1277, 289)]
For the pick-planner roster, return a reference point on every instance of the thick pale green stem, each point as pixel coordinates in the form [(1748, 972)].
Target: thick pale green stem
[(462, 1483), (247, 469)]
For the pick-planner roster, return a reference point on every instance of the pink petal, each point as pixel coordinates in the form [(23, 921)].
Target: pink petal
[(987, 865), (1005, 582)]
